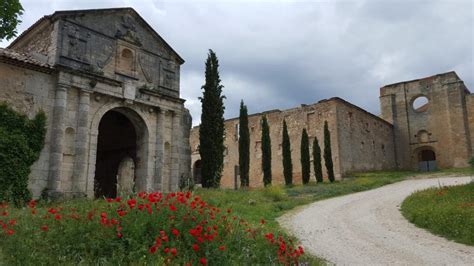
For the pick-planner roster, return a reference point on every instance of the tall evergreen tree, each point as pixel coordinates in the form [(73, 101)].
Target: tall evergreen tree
[(266, 152), (328, 152), (305, 162), (244, 145), (211, 131), (287, 165), (318, 170)]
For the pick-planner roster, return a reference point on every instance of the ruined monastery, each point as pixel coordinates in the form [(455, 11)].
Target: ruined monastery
[(425, 124), (110, 88)]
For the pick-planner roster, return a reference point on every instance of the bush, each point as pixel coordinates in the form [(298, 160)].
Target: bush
[(275, 193), (21, 141)]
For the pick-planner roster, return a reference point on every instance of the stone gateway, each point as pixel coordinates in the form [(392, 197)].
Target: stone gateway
[(109, 85)]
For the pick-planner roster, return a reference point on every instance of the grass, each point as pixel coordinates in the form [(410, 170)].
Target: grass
[(255, 206), (272, 202), (446, 211)]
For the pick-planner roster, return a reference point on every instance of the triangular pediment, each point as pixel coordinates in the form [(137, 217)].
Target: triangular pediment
[(124, 24)]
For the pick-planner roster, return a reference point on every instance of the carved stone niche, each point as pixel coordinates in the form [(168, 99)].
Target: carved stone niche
[(125, 60)]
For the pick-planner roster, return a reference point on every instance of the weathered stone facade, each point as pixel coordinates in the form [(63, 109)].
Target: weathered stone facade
[(361, 141), (109, 85), (442, 128)]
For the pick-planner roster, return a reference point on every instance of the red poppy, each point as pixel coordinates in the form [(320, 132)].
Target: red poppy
[(153, 249), (173, 251), (203, 261), (44, 228), (10, 232), (195, 247), (131, 203), (222, 248), (166, 250), (172, 207), (175, 232)]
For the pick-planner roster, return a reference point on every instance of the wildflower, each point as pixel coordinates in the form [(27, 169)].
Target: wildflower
[(195, 247), (52, 211), (173, 251), (131, 203), (166, 250), (175, 232), (203, 261), (222, 248), (10, 232), (44, 228), (172, 207), (32, 204), (153, 249), (12, 222), (57, 217)]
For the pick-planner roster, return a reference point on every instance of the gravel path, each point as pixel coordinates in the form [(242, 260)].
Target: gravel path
[(367, 228)]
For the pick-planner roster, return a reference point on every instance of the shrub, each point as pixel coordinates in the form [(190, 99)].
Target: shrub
[(21, 141), (275, 193)]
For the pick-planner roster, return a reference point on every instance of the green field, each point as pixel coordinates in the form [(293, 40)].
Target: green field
[(446, 211), (259, 208)]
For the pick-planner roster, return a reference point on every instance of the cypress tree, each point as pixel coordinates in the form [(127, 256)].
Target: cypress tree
[(305, 163), (287, 165), (211, 131), (244, 145), (266, 153), (318, 170), (328, 153)]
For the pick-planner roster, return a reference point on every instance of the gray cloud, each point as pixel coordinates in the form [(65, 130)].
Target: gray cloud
[(283, 53)]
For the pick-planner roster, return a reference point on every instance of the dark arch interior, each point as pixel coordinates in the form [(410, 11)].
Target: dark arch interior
[(427, 155), (117, 139), (197, 172)]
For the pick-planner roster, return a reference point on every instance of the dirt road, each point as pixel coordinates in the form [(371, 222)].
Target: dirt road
[(367, 228)]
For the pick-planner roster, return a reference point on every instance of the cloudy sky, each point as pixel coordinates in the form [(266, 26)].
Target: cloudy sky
[(280, 54)]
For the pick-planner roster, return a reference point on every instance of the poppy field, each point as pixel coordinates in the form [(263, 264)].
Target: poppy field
[(147, 228)]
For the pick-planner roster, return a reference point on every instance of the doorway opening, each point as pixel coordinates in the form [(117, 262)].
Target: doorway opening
[(116, 148), (427, 160), (197, 172)]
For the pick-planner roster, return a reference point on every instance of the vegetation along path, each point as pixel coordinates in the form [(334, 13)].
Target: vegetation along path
[(368, 228)]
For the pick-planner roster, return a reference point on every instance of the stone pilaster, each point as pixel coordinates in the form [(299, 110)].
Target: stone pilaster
[(175, 145), (159, 151), (82, 141), (57, 136)]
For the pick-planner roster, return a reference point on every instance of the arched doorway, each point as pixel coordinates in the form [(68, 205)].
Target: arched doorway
[(117, 141), (197, 172), (426, 160)]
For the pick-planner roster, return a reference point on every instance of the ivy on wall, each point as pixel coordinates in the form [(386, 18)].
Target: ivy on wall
[(21, 141)]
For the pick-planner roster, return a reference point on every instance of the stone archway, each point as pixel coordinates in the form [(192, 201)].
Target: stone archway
[(121, 143), (426, 159)]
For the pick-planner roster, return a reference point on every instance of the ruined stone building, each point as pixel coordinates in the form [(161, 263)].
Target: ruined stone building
[(109, 85), (425, 124)]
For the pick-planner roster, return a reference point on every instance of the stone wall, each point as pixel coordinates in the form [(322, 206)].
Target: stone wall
[(28, 91), (441, 125), (348, 125), (365, 141)]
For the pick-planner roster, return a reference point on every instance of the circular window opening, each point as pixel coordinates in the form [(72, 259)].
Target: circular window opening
[(421, 103)]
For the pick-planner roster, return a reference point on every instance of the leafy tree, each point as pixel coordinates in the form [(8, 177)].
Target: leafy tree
[(10, 12), (244, 145), (318, 170), (305, 162), (266, 152), (211, 131), (21, 141), (328, 152), (287, 165)]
